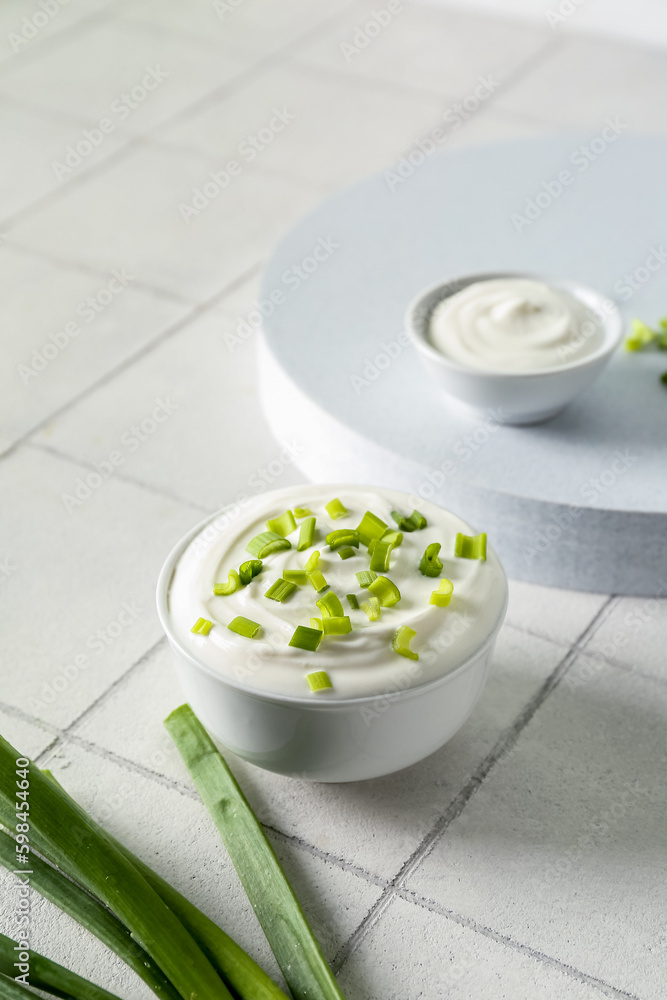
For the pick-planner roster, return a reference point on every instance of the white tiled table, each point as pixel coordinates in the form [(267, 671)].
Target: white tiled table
[(524, 859)]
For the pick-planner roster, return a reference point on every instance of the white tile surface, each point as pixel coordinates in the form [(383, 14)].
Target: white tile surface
[(74, 574), (374, 825), (327, 130), (27, 737), (413, 953), (559, 615), (559, 849), (131, 213), (45, 310), (442, 51), (589, 80), (90, 73), (198, 453), (22, 35), (635, 633)]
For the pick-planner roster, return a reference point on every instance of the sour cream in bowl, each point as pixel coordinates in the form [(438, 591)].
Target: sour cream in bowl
[(307, 652), (522, 345)]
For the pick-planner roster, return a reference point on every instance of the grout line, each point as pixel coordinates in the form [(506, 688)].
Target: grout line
[(459, 802), (504, 940), (142, 352), (118, 476), (333, 859), (33, 52)]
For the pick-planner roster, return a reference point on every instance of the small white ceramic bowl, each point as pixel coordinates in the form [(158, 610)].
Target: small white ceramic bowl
[(342, 740), (522, 397)]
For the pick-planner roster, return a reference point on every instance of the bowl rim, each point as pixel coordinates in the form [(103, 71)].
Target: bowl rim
[(338, 704), (611, 319)]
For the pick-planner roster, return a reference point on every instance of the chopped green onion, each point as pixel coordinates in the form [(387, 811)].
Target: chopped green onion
[(380, 557), (317, 580), (366, 577), (336, 509), (306, 638), (306, 534), (266, 543), (343, 536), (386, 591), (272, 899), (224, 589), (319, 680), (394, 537), (312, 562), (443, 595), (330, 605), (663, 378), (401, 642), (302, 512), (316, 623), (370, 527), (372, 607), (347, 552), (249, 570), (430, 565), (352, 601), (202, 626), (415, 522), (244, 626), (297, 576), (471, 547), (283, 525), (281, 590), (337, 626), (640, 337)]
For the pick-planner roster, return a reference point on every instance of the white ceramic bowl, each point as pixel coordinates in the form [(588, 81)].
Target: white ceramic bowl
[(516, 398), (342, 740)]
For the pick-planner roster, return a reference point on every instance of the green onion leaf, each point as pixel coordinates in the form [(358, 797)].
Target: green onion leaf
[(272, 899), (330, 605), (202, 626), (281, 590), (306, 638), (386, 591), (415, 522), (352, 601), (380, 557), (401, 642), (347, 552), (336, 509), (316, 623), (430, 565), (366, 577), (343, 536), (443, 595), (244, 626), (249, 570), (370, 527), (317, 581), (312, 562), (45, 975), (337, 626), (372, 607), (266, 543), (232, 585), (319, 680), (471, 547), (297, 576), (302, 512), (283, 525), (306, 534)]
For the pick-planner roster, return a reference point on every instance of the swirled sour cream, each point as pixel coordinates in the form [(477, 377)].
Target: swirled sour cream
[(361, 662), (514, 325)]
